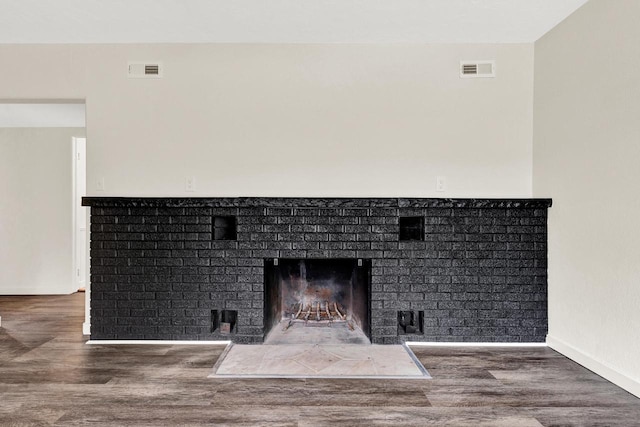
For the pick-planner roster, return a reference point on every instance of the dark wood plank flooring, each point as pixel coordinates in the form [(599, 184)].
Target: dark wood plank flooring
[(48, 376)]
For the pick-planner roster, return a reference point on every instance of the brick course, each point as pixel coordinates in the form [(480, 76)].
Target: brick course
[(480, 274)]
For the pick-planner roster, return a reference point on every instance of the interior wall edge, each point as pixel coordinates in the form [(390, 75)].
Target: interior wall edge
[(614, 375)]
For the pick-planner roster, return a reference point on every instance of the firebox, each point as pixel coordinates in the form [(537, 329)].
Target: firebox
[(308, 293)]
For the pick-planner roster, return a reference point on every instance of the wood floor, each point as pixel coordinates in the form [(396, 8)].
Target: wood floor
[(48, 376)]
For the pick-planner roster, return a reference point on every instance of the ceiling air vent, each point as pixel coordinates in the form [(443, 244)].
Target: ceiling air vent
[(477, 69), (145, 70)]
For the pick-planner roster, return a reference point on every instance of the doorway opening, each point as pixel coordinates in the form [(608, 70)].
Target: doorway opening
[(43, 166)]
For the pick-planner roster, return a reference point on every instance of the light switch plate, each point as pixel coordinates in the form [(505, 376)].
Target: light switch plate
[(440, 183), (100, 184)]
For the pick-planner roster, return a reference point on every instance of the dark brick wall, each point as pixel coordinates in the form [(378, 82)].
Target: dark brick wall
[(479, 275)]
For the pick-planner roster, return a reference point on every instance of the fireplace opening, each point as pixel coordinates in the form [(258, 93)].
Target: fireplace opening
[(317, 300)]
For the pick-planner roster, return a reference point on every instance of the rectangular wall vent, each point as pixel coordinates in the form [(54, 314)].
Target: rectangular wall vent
[(477, 69), (151, 70), (145, 70)]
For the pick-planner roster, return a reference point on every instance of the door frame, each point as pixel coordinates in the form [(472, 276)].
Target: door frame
[(80, 223)]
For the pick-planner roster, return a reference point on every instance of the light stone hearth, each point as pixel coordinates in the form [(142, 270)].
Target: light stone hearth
[(319, 361)]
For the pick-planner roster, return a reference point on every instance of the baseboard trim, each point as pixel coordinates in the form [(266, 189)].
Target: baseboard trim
[(86, 328), (154, 342), (475, 344), (601, 368)]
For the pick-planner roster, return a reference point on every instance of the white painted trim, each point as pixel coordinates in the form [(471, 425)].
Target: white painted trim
[(21, 291), (78, 185), (86, 328), (476, 344), (74, 217), (155, 342), (599, 367)]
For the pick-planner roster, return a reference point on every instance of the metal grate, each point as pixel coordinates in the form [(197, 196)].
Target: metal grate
[(152, 70), (477, 69), (469, 69)]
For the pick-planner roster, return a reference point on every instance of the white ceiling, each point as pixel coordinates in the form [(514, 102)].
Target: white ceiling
[(42, 115), (280, 21)]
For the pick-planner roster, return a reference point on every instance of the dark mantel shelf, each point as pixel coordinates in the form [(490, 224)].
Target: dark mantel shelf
[(315, 202)]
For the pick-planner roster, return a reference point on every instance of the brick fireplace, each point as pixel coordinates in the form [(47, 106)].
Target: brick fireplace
[(211, 268)]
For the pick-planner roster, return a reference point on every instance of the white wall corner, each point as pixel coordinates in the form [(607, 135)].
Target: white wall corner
[(86, 328), (607, 372)]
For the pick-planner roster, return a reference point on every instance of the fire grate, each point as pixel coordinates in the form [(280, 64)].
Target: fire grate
[(318, 313)]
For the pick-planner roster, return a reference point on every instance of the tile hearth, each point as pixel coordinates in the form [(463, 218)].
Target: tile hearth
[(319, 361)]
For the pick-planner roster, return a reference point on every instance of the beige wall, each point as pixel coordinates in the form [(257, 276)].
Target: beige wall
[(586, 156), (36, 210), (292, 120)]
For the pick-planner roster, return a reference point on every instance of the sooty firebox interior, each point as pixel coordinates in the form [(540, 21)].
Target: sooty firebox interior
[(302, 294)]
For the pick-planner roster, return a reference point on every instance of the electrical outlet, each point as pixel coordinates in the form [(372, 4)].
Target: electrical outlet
[(190, 183), (100, 184), (440, 183)]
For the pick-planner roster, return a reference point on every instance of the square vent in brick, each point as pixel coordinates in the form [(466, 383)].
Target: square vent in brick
[(412, 228), (224, 228)]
